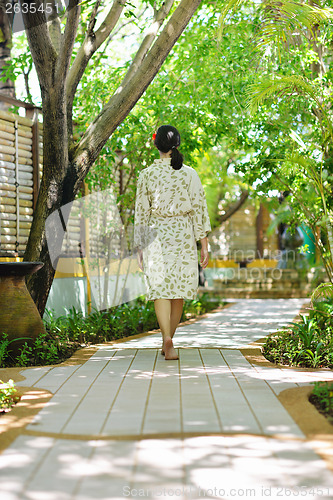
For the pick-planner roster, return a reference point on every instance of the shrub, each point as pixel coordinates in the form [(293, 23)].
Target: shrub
[(45, 350), (322, 398), (8, 395), (308, 343)]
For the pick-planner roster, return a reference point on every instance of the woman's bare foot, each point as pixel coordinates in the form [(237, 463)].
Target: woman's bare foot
[(170, 351)]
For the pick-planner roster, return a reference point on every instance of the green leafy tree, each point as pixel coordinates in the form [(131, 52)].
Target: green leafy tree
[(292, 121), (197, 90)]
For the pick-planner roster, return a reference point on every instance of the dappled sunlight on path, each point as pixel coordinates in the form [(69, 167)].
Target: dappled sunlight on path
[(194, 467), (234, 327), (128, 423)]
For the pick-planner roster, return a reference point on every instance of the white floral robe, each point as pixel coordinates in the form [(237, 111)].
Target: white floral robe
[(170, 216)]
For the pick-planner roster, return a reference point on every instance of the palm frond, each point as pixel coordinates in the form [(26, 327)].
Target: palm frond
[(284, 19), (304, 14), (308, 164), (322, 292), (279, 86), (230, 5)]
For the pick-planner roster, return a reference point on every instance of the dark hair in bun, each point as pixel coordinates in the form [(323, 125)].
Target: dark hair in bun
[(168, 137)]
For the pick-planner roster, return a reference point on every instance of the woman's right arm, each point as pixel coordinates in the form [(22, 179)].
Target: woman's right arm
[(204, 252)]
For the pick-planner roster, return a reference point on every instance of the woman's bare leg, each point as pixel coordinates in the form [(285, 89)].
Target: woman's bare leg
[(176, 314), (163, 313)]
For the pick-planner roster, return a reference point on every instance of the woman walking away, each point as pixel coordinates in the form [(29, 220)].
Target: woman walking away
[(170, 217)]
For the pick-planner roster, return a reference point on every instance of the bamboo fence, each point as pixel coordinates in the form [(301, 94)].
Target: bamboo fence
[(21, 168)]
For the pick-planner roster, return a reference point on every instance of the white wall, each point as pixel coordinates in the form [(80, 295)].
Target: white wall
[(71, 292)]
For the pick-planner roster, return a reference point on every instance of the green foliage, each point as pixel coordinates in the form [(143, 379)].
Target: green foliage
[(282, 20), (279, 53), (124, 320), (324, 390), (198, 90), (47, 349), (25, 355), (4, 349), (279, 86), (291, 129), (323, 291), (308, 343), (20, 64), (8, 395), (305, 330), (322, 398)]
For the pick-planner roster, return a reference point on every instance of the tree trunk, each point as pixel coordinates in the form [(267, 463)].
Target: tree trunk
[(55, 191), (7, 87)]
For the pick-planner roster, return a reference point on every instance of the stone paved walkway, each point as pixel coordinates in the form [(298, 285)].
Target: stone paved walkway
[(128, 424)]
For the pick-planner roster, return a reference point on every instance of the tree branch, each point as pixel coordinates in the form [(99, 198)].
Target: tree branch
[(115, 33), (148, 40), (40, 43), (68, 39), (54, 26), (123, 101), (93, 16), (236, 206), (26, 82), (91, 43)]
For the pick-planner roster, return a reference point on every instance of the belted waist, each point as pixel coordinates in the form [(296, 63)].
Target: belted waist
[(164, 216)]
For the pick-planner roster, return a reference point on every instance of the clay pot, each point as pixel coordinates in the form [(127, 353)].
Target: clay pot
[(19, 317)]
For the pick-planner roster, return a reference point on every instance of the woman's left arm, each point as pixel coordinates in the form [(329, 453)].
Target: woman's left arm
[(200, 219)]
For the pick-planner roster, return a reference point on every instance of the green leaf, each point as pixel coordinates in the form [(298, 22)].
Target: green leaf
[(230, 5), (322, 292), (279, 86), (285, 21)]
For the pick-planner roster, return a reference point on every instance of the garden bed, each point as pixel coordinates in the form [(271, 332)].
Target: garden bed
[(307, 343), (66, 334)]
